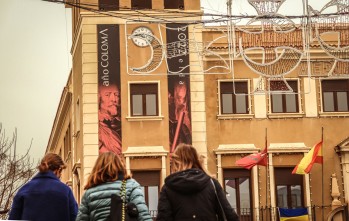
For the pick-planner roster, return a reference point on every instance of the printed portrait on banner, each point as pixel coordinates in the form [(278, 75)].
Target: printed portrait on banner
[(109, 109)]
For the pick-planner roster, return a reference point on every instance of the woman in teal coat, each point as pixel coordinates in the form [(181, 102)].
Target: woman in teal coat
[(106, 179)]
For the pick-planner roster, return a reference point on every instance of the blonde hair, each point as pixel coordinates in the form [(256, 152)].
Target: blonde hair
[(186, 157), (108, 168), (51, 161)]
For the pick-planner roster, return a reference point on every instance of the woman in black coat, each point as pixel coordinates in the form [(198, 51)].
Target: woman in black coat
[(189, 193)]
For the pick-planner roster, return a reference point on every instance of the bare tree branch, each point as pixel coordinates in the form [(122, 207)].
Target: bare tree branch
[(15, 170)]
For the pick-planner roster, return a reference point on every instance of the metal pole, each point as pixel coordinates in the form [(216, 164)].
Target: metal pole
[(322, 172), (266, 174), (230, 33)]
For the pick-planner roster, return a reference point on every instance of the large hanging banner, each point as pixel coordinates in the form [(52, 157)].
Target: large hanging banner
[(179, 86), (109, 110)]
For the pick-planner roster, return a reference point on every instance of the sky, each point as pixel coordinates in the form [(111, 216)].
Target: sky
[(34, 66), (35, 61)]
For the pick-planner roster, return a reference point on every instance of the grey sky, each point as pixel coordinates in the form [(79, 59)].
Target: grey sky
[(34, 50), (35, 43)]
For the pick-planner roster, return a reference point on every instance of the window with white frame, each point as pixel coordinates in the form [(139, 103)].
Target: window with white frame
[(237, 185), (141, 4), (234, 97), (335, 95), (144, 99), (150, 186), (289, 188), (285, 102)]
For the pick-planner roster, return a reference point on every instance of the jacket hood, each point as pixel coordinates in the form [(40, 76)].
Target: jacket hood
[(188, 181)]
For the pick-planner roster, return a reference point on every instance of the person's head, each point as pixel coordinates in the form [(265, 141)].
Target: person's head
[(185, 157), (109, 99), (108, 167), (52, 162), (180, 94)]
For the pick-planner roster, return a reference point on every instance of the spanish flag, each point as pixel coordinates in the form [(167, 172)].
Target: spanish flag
[(299, 214), (313, 156)]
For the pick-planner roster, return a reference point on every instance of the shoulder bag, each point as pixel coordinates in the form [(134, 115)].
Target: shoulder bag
[(219, 202), (120, 210)]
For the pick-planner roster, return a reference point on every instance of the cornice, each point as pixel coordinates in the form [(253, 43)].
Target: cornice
[(236, 149), (288, 148), (145, 151), (61, 114), (343, 146)]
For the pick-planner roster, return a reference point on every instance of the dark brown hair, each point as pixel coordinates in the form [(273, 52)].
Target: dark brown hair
[(186, 157), (51, 161), (108, 167)]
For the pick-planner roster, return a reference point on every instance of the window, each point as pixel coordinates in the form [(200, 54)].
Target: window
[(144, 99), (108, 5), (174, 4), (289, 188), (234, 102), (238, 189), (335, 97), (285, 103), (141, 4), (150, 183)]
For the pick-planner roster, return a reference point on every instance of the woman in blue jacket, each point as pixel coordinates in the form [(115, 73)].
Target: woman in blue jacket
[(45, 197), (105, 180)]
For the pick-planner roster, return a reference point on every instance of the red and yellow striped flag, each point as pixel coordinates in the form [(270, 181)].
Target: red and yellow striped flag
[(313, 156)]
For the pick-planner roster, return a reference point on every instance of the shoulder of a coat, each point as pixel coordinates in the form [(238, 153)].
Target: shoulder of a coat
[(133, 183)]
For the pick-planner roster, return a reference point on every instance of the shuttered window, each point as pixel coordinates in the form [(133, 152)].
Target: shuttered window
[(144, 99), (141, 4), (150, 182), (285, 103), (174, 4), (237, 184), (335, 95), (289, 188), (234, 97), (108, 5)]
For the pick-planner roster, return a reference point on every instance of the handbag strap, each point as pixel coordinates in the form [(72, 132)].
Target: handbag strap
[(219, 202), (123, 190), (123, 197)]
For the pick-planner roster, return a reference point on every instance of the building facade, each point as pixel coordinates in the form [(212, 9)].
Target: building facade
[(162, 92)]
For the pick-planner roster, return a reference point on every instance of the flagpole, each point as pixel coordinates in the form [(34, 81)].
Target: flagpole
[(322, 172), (266, 176)]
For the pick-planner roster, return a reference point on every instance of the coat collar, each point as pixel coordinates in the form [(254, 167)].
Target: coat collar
[(49, 174)]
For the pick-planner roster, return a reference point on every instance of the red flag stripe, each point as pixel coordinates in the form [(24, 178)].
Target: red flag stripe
[(253, 159)]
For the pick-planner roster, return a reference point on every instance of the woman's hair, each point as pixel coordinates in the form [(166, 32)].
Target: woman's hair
[(108, 167), (186, 157), (51, 161)]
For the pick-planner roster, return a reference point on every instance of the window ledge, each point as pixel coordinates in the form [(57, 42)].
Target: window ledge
[(334, 114), (145, 118), (285, 115), (234, 116)]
